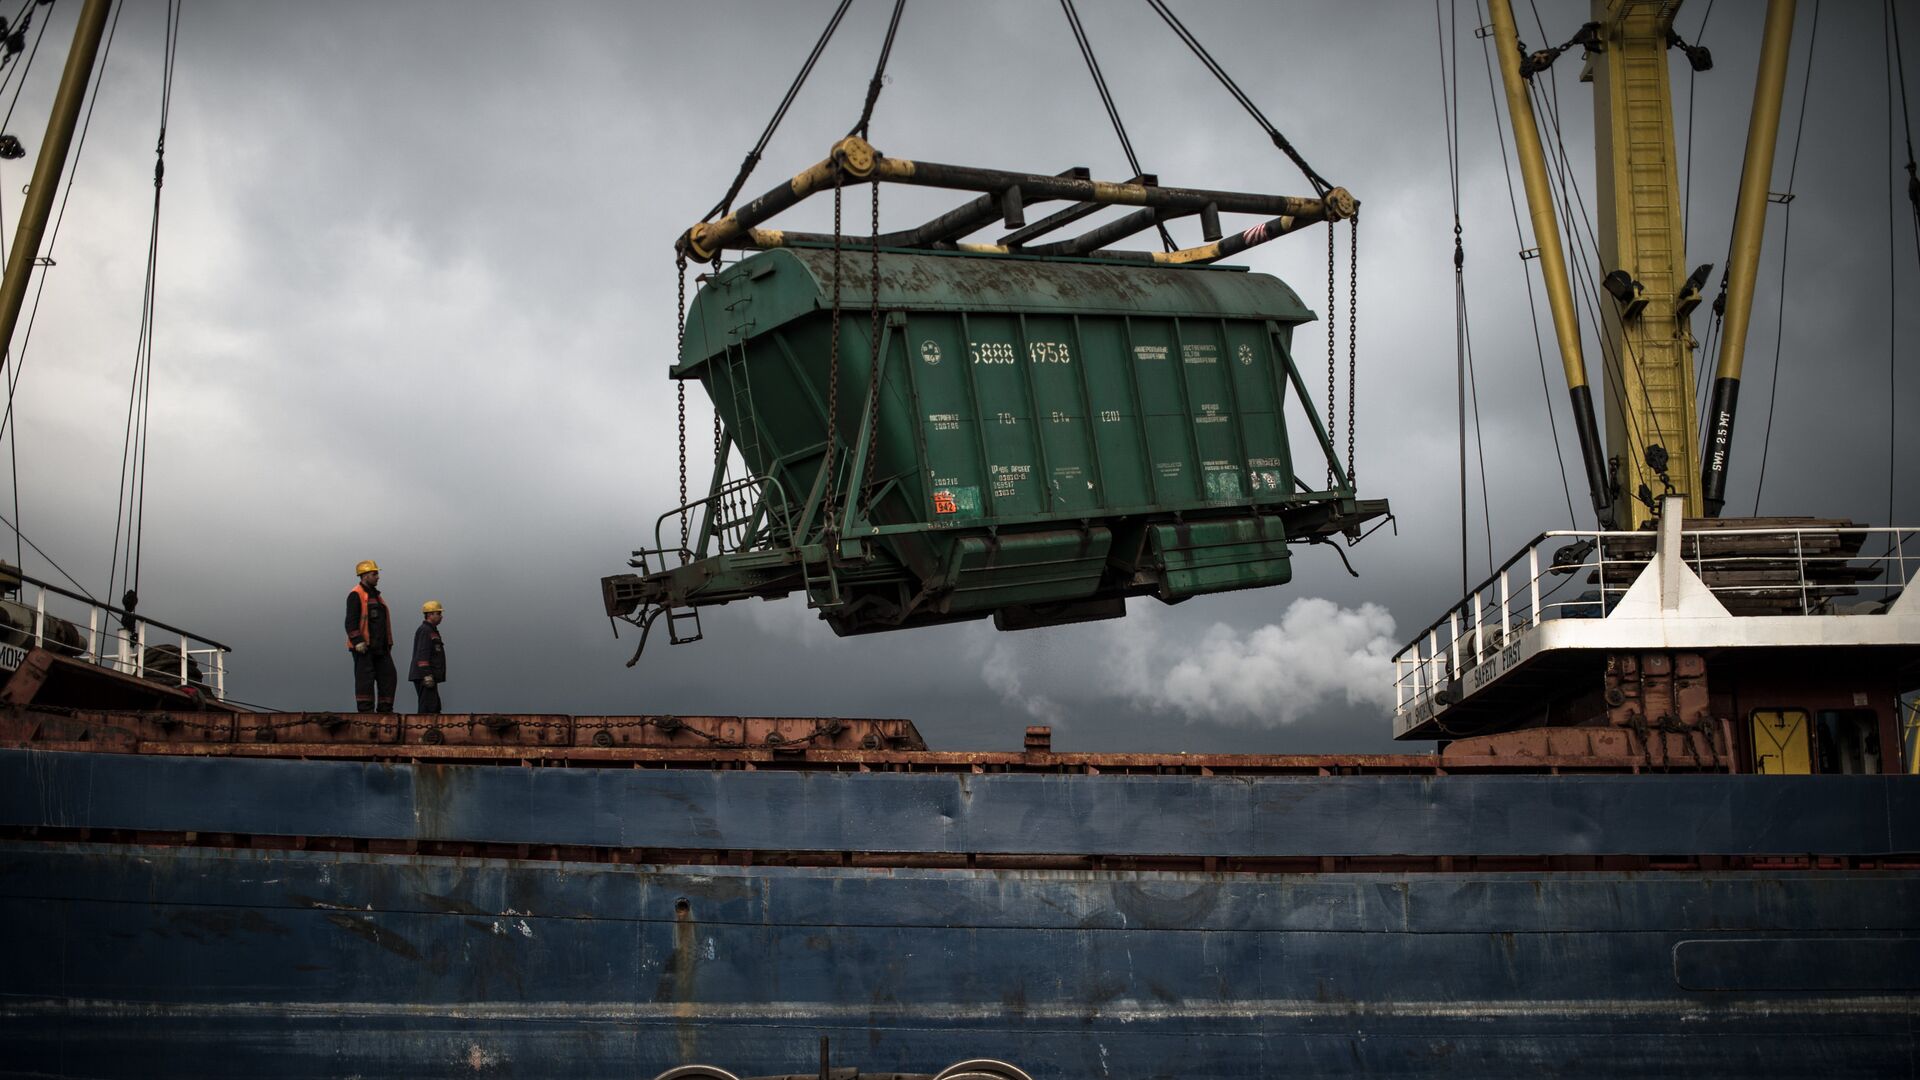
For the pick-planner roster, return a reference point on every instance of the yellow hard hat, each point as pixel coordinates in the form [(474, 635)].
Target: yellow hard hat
[(430, 607), (367, 566)]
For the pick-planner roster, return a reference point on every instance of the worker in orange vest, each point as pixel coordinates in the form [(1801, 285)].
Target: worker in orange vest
[(429, 668), (370, 638)]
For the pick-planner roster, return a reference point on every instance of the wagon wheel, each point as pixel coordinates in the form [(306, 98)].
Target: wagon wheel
[(982, 1069), (696, 1072)]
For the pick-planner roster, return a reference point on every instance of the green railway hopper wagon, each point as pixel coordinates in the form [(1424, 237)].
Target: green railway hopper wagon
[(930, 430), (1039, 440)]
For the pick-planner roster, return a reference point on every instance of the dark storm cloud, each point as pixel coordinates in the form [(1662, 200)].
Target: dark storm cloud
[(416, 305)]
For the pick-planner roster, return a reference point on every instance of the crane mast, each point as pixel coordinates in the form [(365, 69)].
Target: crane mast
[(1641, 237), (1647, 296)]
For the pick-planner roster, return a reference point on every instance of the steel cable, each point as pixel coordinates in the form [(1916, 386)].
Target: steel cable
[(1612, 362), (879, 72), (793, 90), (1320, 184), (1703, 356), (1106, 99), (131, 499), (16, 363), (23, 67), (1786, 234), (20, 19), (1533, 312), (1898, 63), (36, 549), (1447, 32)]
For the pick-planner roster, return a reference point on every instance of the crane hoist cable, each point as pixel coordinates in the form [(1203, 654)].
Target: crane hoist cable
[(1321, 187), (61, 570), (1573, 207), (1106, 99), (1320, 184), (14, 33), (1586, 246), (1686, 198), (861, 127), (879, 80), (752, 159), (747, 165), (1446, 31), (132, 496), (1898, 62), (1786, 234), (1520, 237), (1703, 354), (15, 362)]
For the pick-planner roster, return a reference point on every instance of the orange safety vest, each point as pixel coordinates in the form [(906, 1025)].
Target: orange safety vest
[(366, 607)]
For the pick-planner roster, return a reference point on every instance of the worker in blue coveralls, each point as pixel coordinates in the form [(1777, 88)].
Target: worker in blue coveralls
[(429, 667)]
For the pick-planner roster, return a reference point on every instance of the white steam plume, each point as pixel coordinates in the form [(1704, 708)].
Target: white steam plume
[(1317, 654), (1269, 676)]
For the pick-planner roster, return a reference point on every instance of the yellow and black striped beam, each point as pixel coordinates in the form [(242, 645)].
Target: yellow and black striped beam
[(855, 161)]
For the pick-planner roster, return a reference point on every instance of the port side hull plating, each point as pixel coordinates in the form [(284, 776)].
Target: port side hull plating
[(190, 961)]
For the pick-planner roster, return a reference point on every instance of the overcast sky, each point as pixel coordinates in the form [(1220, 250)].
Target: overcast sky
[(415, 303)]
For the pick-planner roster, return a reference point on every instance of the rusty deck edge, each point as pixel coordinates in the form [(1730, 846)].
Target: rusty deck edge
[(700, 742), (665, 740), (1225, 765)]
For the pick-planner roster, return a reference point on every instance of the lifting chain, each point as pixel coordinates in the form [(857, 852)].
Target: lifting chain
[(1353, 336), (876, 361), (1331, 319), (833, 364), (680, 339)]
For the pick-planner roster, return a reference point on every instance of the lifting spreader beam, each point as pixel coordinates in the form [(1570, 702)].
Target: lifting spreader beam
[(1004, 194)]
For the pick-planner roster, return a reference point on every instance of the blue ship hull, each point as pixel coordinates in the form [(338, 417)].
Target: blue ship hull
[(170, 959)]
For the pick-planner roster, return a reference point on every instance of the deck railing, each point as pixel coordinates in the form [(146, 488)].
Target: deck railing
[(1582, 574), (38, 614)]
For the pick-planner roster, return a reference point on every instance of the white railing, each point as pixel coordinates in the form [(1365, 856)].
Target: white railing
[(1582, 574), (39, 615)]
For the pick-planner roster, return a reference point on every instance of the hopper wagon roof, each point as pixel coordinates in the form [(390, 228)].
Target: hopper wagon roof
[(790, 283)]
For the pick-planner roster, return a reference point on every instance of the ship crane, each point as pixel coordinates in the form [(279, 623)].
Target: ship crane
[(1668, 634)]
